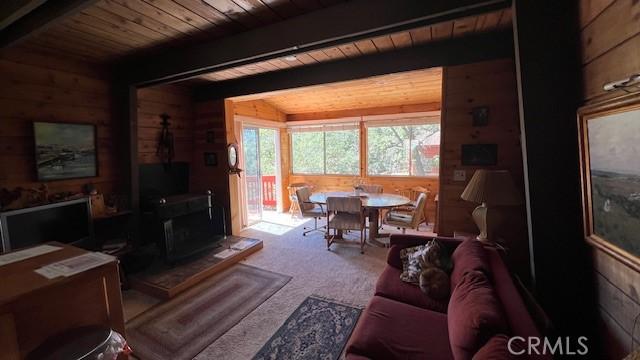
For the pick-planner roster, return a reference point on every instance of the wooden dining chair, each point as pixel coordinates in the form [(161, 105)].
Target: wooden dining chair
[(345, 213)]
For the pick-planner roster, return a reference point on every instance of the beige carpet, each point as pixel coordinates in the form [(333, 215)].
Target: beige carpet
[(342, 274)]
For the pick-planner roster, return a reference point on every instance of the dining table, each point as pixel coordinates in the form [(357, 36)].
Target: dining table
[(372, 202)]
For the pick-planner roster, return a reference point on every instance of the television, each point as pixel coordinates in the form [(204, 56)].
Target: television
[(66, 222)]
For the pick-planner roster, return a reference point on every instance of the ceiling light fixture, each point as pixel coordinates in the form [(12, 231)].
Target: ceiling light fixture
[(291, 58)]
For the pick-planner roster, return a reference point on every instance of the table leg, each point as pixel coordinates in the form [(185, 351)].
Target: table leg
[(376, 238)]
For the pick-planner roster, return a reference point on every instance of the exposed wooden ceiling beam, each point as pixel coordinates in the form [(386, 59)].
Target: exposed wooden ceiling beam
[(452, 52), (12, 10), (39, 18), (345, 22)]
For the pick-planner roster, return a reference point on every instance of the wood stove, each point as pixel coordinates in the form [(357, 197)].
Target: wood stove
[(186, 225)]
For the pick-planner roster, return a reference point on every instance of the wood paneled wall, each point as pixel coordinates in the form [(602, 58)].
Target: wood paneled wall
[(610, 47), (176, 101), (211, 116), (36, 86), (491, 84)]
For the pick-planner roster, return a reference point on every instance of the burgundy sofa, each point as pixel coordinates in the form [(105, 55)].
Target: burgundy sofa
[(484, 310)]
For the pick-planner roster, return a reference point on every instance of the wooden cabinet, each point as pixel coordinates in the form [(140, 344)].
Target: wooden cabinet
[(33, 308)]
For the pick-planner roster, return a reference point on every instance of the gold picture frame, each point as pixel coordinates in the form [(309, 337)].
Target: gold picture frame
[(610, 174)]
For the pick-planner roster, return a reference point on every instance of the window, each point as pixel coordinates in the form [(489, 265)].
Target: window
[(403, 150), (329, 149)]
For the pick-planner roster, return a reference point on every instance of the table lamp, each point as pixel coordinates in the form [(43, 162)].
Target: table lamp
[(490, 188)]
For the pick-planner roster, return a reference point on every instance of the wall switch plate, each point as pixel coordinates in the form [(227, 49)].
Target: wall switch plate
[(459, 175)]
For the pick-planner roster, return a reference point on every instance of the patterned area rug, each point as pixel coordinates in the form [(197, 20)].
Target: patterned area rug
[(318, 329), (182, 327)]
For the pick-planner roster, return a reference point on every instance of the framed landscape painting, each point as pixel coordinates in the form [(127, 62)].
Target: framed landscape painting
[(610, 165), (65, 151)]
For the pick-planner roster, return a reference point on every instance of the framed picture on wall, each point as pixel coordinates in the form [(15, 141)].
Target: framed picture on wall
[(480, 154), (610, 169), (65, 151)]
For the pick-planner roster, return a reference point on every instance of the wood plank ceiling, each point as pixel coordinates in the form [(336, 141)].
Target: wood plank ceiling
[(400, 89), (112, 29), (443, 31)]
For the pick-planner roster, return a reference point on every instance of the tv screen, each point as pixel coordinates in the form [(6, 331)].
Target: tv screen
[(67, 222)]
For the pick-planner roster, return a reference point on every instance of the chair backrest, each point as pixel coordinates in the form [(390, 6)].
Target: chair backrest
[(370, 188), (419, 211), (302, 197), (299, 185), (344, 204), (293, 187), (417, 190)]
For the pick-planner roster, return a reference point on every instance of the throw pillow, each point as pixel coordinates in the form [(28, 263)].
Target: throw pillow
[(413, 257)]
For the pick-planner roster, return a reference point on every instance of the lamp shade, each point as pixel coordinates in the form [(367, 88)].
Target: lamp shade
[(494, 187)]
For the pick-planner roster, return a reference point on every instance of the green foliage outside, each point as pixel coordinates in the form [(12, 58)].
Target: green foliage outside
[(392, 150), (397, 150), (266, 150)]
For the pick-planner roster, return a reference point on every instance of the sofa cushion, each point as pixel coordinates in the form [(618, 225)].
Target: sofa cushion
[(390, 287), (495, 349), (474, 315), (468, 256), (389, 329)]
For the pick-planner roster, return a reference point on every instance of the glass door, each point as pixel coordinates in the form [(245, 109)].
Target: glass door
[(252, 176)]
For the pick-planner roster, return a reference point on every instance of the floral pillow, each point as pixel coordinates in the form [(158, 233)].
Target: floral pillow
[(414, 259), (425, 266)]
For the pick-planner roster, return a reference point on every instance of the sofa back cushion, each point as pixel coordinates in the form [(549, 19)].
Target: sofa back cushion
[(468, 256), (474, 315)]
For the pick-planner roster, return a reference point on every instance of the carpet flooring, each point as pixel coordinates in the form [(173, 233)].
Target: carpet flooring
[(180, 328), (342, 274)]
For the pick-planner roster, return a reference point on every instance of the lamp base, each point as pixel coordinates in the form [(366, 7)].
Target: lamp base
[(487, 223), (480, 217)]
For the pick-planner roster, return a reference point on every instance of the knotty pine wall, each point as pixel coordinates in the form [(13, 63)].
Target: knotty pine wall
[(176, 101), (212, 116), (610, 49), (491, 84), (38, 86)]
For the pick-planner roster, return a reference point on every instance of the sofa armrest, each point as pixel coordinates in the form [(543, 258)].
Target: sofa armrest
[(399, 242)]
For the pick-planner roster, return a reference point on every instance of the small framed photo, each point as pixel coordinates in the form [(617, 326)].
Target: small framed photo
[(210, 159), (479, 154), (609, 137), (480, 116)]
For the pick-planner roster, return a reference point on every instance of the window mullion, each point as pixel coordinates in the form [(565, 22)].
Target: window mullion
[(324, 149)]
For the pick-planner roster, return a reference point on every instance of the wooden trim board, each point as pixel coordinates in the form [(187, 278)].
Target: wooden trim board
[(139, 283)]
